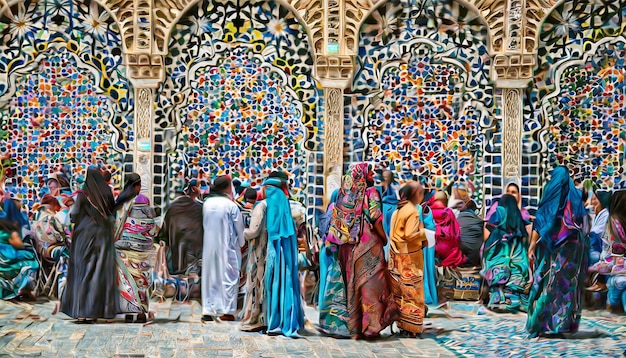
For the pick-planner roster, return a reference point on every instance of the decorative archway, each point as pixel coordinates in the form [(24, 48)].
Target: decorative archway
[(64, 78), (239, 97), (424, 98), (576, 110)]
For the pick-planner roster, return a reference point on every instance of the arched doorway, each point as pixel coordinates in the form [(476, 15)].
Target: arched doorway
[(423, 100), (239, 97), (577, 108), (65, 100)]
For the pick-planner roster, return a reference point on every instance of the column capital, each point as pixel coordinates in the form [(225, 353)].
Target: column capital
[(334, 71), (145, 70), (515, 69)]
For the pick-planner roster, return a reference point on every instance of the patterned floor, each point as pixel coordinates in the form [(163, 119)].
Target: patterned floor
[(503, 335)]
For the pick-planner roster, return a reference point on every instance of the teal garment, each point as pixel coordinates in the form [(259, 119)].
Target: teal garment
[(430, 282), (18, 269), (505, 264), (562, 254), (285, 314), (333, 308)]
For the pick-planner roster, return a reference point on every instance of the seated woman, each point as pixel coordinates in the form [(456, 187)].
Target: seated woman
[(51, 233), (505, 258), (471, 227), (18, 265), (447, 247)]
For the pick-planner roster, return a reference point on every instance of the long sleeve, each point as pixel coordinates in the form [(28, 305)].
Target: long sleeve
[(257, 223)]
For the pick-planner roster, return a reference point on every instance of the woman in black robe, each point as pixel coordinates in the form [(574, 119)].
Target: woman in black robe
[(91, 290)]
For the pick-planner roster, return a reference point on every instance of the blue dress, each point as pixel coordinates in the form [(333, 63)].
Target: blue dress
[(430, 283), (285, 314)]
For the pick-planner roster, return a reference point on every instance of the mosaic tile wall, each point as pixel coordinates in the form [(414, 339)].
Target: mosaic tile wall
[(575, 115), (66, 101), (423, 100), (239, 98)]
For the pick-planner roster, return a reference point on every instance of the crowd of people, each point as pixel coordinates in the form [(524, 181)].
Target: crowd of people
[(376, 256)]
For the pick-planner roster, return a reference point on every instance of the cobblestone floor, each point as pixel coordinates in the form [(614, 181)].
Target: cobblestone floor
[(30, 330)]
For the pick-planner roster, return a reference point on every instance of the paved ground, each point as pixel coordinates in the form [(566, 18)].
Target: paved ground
[(30, 330)]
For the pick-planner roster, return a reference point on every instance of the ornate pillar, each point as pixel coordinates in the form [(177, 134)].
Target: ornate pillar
[(512, 134), (512, 71), (333, 141), (146, 73), (335, 74)]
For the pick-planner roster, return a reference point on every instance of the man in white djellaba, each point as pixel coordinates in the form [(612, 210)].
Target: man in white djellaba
[(221, 252)]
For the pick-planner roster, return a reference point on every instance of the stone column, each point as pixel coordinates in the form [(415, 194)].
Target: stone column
[(333, 140), (512, 71), (512, 135), (334, 74), (146, 73)]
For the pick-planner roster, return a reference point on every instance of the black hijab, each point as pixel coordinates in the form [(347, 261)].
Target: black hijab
[(98, 192), (129, 192)]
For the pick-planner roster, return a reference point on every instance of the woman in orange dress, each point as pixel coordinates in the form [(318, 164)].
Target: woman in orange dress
[(406, 262)]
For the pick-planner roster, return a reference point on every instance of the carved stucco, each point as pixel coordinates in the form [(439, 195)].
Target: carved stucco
[(144, 102), (333, 139), (512, 128)]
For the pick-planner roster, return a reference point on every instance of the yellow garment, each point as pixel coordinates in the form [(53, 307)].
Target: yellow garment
[(406, 265)]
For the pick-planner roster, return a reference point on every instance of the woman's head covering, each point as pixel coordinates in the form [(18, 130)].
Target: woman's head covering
[(280, 224), (348, 212), (604, 197), (129, 192), (14, 214), (507, 219), (142, 200), (557, 192), (273, 182), (98, 192), (132, 179)]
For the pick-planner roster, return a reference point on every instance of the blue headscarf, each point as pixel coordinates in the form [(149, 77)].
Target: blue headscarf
[(14, 214), (279, 221), (559, 190)]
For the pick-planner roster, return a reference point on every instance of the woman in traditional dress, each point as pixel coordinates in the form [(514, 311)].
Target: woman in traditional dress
[(358, 231), (91, 290), (18, 265), (448, 238), (136, 255), (285, 314), (505, 257), (253, 313), (332, 306), (559, 251), (406, 262)]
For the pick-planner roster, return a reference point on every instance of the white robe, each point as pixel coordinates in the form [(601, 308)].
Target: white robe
[(221, 256)]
